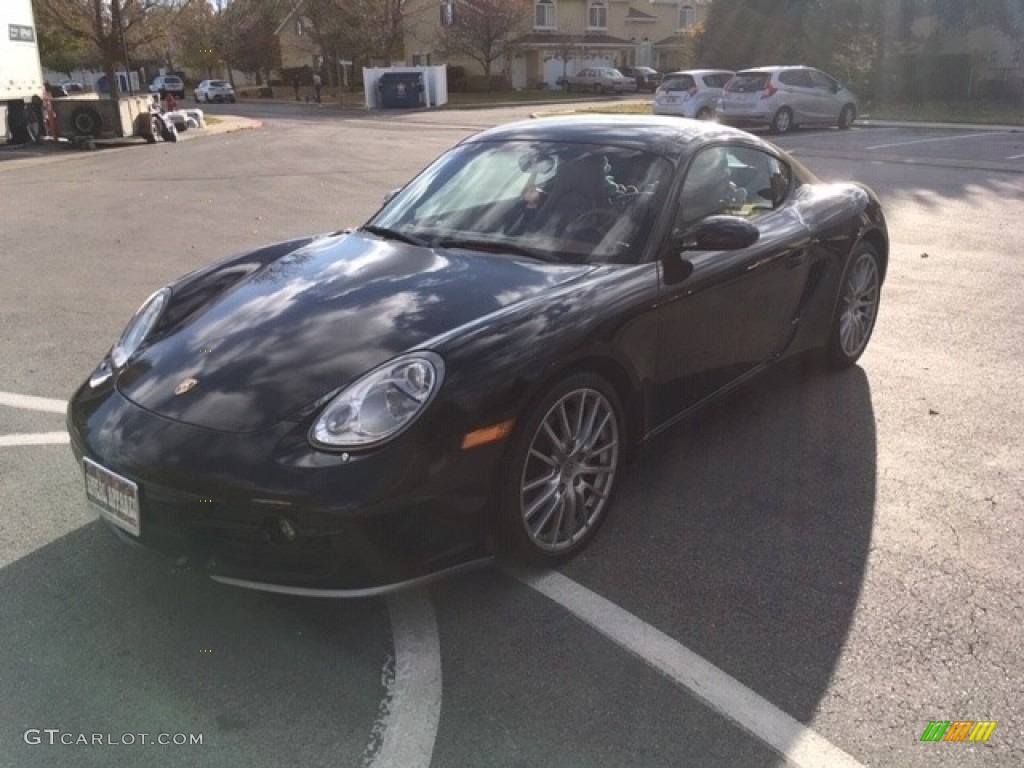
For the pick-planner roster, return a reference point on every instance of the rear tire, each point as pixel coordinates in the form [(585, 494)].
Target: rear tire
[(26, 121), (846, 117), (782, 122), (856, 309)]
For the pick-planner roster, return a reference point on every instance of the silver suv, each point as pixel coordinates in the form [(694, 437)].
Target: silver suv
[(786, 97)]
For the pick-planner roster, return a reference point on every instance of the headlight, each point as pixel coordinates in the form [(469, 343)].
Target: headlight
[(381, 404), (139, 327)]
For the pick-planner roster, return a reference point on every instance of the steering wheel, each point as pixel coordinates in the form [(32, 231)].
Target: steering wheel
[(592, 226)]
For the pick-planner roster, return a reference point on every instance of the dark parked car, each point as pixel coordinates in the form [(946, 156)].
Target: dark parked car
[(470, 370), (647, 79)]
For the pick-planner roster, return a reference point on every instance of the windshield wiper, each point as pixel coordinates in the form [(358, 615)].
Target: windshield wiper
[(491, 246), (394, 234)]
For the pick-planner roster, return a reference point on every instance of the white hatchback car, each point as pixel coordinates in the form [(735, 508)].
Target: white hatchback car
[(690, 93), (214, 90)]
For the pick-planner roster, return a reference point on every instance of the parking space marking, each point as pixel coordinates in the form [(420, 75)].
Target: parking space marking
[(30, 403), (404, 735), (1015, 157), (794, 741), (40, 438), (937, 138)]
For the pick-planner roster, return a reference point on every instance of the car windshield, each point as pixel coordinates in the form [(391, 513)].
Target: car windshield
[(748, 82), (557, 201)]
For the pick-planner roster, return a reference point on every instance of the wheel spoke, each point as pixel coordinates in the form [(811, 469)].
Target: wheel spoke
[(548, 478), (551, 462), (538, 529), (555, 439), (540, 501)]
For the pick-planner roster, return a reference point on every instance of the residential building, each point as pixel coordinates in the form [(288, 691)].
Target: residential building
[(561, 37), (296, 40)]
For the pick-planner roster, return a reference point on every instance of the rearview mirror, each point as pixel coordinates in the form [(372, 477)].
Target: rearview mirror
[(718, 233), (391, 194)]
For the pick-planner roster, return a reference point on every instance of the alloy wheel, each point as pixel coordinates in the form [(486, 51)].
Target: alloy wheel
[(570, 468), (860, 305)]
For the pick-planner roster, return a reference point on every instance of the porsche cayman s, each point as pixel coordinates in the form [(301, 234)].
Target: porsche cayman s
[(470, 371)]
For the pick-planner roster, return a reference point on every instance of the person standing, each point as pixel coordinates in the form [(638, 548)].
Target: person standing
[(317, 85)]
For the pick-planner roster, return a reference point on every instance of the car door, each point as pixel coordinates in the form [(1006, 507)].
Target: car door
[(799, 94), (827, 106), (736, 310)]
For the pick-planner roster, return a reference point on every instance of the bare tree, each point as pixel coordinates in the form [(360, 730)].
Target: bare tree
[(114, 28), (358, 30), (485, 30)]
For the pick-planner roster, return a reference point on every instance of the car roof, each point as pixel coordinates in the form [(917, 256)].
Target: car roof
[(665, 135), (700, 72), (774, 68)]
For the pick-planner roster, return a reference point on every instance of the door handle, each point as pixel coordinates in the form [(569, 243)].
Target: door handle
[(795, 259)]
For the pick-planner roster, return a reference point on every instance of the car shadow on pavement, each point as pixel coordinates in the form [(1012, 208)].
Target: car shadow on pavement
[(101, 638), (743, 534)]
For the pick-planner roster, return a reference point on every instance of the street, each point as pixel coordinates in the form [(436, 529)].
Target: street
[(845, 547)]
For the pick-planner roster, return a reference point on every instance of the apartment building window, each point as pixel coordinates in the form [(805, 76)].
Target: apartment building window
[(597, 14), (300, 28), (687, 16), (544, 14)]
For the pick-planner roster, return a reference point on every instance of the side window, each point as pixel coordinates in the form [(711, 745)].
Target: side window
[(706, 188), (823, 81), (797, 78), (736, 180)]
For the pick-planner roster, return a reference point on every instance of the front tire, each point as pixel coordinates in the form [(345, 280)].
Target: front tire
[(563, 465), (857, 309)]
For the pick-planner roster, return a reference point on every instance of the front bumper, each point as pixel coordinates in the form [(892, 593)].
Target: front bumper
[(211, 500)]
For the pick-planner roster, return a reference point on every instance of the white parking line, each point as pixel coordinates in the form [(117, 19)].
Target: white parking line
[(41, 438), (30, 403), (936, 138), (404, 735), (796, 742), (1015, 157)]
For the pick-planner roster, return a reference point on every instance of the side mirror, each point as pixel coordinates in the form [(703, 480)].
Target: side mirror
[(717, 233)]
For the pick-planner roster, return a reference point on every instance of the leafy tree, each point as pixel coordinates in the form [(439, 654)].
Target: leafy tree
[(484, 31), (248, 41), (357, 30), (113, 30)]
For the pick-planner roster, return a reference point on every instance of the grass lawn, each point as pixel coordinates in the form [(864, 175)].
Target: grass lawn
[(949, 112)]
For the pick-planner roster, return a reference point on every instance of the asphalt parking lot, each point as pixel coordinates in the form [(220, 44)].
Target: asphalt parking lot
[(805, 575)]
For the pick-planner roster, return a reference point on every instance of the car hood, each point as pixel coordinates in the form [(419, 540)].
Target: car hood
[(314, 320)]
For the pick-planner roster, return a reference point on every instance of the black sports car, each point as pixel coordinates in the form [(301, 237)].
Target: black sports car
[(470, 370)]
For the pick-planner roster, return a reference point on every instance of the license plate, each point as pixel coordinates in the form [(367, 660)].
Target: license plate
[(116, 498)]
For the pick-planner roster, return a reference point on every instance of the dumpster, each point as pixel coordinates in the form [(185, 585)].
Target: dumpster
[(401, 90)]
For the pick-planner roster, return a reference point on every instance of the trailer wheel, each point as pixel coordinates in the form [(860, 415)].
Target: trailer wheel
[(167, 130), (26, 122), (35, 124), (86, 122)]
